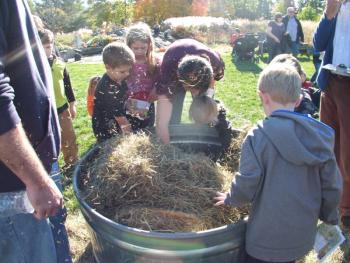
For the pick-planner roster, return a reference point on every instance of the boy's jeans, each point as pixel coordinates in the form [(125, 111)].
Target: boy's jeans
[(24, 239), (57, 223)]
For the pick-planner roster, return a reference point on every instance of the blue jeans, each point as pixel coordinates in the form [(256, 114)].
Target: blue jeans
[(295, 48), (58, 228), (24, 239)]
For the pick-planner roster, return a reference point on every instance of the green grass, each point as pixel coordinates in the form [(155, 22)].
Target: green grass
[(237, 91)]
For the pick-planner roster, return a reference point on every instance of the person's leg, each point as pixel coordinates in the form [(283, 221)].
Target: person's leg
[(295, 48), (69, 145), (58, 228), (177, 101), (24, 239), (271, 51), (335, 110), (341, 95)]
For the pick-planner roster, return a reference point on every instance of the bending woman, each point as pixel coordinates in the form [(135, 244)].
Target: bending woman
[(187, 65)]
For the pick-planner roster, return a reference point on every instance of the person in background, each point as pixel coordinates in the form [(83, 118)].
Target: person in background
[(109, 114), (91, 94), (234, 36), (187, 65), (275, 31), (333, 37), (294, 29), (143, 76), (309, 94), (29, 138), (65, 99), (65, 104), (287, 169)]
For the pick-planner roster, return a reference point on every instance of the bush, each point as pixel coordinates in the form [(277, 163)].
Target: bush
[(309, 28), (101, 40)]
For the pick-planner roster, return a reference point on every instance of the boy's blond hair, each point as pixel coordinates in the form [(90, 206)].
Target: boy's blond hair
[(289, 59), (117, 54), (282, 82), (203, 110)]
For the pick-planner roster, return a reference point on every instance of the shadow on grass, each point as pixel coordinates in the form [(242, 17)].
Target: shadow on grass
[(247, 66)]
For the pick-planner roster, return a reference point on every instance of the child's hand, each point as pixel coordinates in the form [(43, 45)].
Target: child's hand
[(124, 124), (220, 198), (126, 129)]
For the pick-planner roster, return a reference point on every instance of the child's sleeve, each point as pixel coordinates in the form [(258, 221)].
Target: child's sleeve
[(331, 183), (68, 90), (247, 180), (90, 104)]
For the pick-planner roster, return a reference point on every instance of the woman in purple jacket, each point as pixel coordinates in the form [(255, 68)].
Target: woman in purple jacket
[(187, 65)]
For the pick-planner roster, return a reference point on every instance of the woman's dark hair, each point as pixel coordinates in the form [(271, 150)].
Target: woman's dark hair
[(195, 72), (278, 15)]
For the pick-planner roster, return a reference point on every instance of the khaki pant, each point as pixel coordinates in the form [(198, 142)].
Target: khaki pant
[(69, 145), (335, 111)]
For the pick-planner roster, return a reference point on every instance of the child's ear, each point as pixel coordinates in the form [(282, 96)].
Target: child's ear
[(264, 97), (297, 103)]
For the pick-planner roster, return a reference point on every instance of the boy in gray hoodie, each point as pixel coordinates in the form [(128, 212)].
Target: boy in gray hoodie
[(288, 173)]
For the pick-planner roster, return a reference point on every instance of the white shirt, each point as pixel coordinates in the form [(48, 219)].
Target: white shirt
[(341, 42)]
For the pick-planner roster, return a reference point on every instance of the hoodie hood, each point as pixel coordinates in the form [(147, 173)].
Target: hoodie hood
[(297, 147)]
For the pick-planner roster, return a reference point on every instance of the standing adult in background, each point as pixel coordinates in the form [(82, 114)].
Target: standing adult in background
[(187, 65), (29, 138), (294, 29), (275, 31), (333, 37)]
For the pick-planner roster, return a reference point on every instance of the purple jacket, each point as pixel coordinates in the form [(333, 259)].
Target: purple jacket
[(175, 52), (25, 88)]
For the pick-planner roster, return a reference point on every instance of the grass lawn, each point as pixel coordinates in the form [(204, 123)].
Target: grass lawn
[(237, 91)]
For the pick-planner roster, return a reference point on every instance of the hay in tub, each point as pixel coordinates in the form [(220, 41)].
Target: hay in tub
[(141, 183)]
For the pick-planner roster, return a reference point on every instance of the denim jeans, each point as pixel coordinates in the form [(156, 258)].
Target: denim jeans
[(58, 228), (295, 48), (24, 239)]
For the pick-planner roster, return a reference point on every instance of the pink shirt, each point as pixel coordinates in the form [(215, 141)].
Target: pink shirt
[(140, 81)]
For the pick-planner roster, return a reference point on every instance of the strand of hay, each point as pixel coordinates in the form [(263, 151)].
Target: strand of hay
[(141, 183)]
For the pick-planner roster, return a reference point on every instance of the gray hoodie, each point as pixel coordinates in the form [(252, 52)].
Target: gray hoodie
[(289, 173)]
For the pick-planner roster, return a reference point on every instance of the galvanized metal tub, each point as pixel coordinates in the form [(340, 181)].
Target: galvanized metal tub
[(113, 242)]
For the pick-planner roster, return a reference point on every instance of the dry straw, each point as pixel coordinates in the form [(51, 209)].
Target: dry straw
[(141, 183)]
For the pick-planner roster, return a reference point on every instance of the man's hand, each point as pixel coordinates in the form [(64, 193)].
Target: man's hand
[(45, 198), (220, 198), (332, 8), (19, 156), (72, 109)]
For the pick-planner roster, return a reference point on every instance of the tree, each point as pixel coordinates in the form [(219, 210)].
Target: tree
[(105, 11), (311, 9), (222, 8), (309, 13), (252, 9), (155, 11), (199, 7), (61, 15)]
